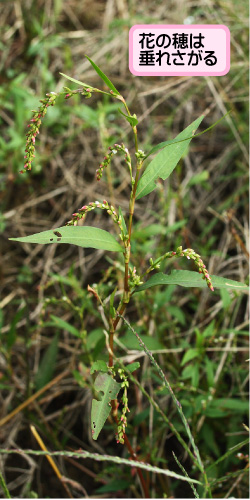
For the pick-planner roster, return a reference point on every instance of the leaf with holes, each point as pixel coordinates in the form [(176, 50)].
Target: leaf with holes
[(100, 410), (86, 237), (99, 366)]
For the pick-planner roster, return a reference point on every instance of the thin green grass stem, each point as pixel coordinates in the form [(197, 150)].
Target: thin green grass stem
[(186, 474), (176, 403), (100, 458)]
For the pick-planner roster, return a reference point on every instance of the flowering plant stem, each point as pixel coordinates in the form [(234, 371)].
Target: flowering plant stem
[(123, 304), (160, 167), (126, 293)]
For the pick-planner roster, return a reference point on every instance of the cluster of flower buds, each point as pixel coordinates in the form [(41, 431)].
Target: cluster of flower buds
[(34, 127), (107, 159), (140, 155), (155, 265), (69, 92), (189, 253), (133, 278), (86, 92), (91, 206), (121, 429)]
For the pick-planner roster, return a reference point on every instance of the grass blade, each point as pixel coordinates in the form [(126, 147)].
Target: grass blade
[(4, 487), (228, 453), (166, 383), (101, 458), (186, 474)]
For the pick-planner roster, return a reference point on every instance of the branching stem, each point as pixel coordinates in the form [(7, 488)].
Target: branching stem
[(125, 300)]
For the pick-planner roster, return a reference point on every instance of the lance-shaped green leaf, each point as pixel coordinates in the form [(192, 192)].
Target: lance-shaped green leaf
[(166, 160), (76, 81), (191, 279), (103, 77), (162, 145), (101, 409), (86, 237)]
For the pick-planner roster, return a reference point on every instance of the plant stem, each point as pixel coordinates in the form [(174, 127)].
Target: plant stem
[(134, 457), (139, 472), (135, 137), (126, 293), (111, 344), (113, 325), (123, 304)]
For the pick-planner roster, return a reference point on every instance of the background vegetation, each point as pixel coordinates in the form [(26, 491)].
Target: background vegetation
[(50, 324)]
